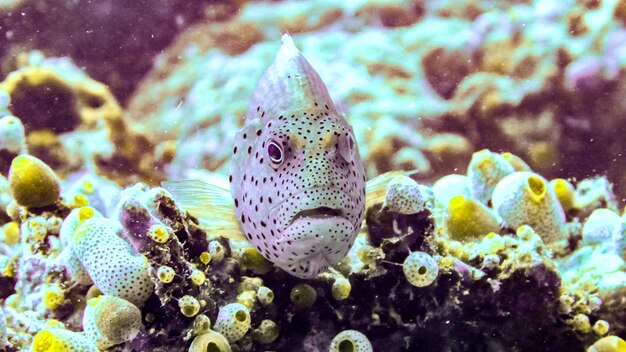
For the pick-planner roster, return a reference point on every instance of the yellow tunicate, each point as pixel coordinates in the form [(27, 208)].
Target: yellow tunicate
[(55, 324), (608, 344), (53, 297), (341, 289), (158, 233), (205, 258), (166, 274), (85, 213), (87, 187), (46, 341), (210, 341), (600, 327), (457, 250), (197, 277), (251, 258), (469, 219), (189, 306), (517, 162), (493, 243), (446, 263), (564, 192), (247, 298), (265, 295), (11, 233), (61, 340), (79, 201), (420, 269), (303, 296), (580, 322), (32, 182), (267, 332), (201, 324)]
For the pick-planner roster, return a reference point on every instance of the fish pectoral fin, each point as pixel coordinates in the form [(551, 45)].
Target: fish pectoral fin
[(211, 204), (376, 188)]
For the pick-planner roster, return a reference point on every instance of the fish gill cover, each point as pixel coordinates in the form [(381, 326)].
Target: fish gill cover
[(491, 140)]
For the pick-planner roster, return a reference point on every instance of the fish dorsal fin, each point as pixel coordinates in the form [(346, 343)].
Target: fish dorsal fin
[(289, 83), (210, 203), (376, 188)]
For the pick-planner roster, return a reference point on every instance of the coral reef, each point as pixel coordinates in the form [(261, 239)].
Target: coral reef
[(503, 230)]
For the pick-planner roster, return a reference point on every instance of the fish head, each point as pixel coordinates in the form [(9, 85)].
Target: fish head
[(297, 178)]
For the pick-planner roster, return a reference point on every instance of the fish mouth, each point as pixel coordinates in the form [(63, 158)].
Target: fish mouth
[(317, 213)]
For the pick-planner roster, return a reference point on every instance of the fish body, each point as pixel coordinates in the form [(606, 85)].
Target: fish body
[(296, 178)]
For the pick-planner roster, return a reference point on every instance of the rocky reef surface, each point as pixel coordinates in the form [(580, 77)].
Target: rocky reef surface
[(511, 235)]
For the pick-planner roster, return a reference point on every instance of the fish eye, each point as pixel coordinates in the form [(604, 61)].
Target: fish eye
[(347, 147), (275, 152)]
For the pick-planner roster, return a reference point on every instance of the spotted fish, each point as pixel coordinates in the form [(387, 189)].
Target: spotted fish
[(297, 182)]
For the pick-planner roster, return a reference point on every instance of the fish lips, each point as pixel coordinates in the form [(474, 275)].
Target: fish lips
[(315, 242), (314, 203)]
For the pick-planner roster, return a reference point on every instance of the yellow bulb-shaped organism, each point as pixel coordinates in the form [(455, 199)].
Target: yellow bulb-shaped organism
[(32, 182)]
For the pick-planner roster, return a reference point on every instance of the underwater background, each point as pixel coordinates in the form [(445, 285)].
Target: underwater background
[(509, 234)]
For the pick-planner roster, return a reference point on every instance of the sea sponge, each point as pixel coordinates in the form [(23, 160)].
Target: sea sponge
[(265, 295), (189, 305), (210, 341), (525, 198), (267, 331), (565, 192), (111, 262), (32, 182), (608, 344), (76, 217), (61, 340), (252, 259), (110, 320), (53, 297), (3, 328), (159, 233), (404, 196), (10, 233), (469, 219), (216, 250), (484, 171), (341, 288), (600, 226), (197, 277), (600, 327), (165, 274), (420, 269), (518, 163), (303, 296), (451, 186), (233, 321), (350, 340), (12, 135), (201, 324)]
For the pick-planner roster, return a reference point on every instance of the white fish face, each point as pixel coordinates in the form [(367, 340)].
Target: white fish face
[(297, 179)]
